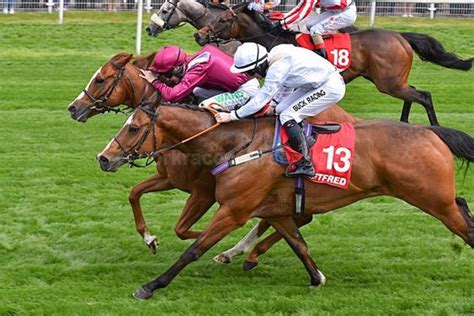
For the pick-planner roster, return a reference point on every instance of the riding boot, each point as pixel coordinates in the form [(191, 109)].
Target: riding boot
[(297, 141), (321, 52)]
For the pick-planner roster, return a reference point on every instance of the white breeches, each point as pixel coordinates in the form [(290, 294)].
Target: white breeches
[(330, 21), (304, 102)]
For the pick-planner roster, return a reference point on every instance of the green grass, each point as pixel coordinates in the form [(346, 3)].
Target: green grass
[(67, 239)]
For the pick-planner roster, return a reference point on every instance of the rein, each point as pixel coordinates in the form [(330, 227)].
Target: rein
[(150, 157), (100, 100), (229, 23), (105, 96)]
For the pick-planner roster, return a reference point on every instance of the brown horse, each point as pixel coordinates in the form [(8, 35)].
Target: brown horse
[(118, 82), (391, 158), (381, 56)]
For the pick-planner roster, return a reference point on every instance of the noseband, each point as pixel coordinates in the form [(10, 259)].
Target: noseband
[(133, 154), (97, 103), (167, 18), (229, 23)]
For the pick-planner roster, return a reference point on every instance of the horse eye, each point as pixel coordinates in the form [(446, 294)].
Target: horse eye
[(99, 80), (164, 11), (221, 20), (133, 129)]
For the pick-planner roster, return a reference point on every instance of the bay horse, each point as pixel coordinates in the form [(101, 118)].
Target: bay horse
[(173, 13), (381, 56), (118, 82), (412, 163)]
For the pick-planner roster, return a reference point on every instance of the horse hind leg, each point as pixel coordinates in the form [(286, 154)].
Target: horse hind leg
[(466, 213), (289, 230), (411, 94), (263, 246), (455, 216), (243, 245)]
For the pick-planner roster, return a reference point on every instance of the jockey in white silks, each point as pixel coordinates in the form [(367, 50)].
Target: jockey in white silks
[(335, 14), (301, 84)]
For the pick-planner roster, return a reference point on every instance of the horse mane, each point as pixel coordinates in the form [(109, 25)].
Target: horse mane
[(211, 4), (143, 62), (187, 106)]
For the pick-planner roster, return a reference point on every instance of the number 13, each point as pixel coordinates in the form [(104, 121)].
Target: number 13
[(344, 156)]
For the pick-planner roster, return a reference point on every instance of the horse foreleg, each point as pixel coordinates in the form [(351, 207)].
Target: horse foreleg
[(262, 247), (243, 245), (196, 206), (287, 227), (223, 222), (155, 183)]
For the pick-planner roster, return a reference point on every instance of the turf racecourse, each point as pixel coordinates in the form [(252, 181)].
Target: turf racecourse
[(67, 239)]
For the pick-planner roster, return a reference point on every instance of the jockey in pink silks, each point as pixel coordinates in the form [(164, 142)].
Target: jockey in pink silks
[(205, 74), (335, 14)]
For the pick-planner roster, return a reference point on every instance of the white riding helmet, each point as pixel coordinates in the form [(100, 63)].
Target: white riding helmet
[(248, 56)]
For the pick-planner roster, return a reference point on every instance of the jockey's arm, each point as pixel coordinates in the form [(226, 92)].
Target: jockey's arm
[(192, 79), (274, 81)]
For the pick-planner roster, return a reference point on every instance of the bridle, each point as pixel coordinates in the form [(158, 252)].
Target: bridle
[(229, 23), (169, 14), (98, 103), (133, 154)]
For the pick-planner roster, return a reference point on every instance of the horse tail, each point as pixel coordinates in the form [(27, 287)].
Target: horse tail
[(460, 143), (430, 49)]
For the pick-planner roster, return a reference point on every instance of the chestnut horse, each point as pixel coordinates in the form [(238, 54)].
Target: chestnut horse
[(118, 82), (383, 57), (391, 158)]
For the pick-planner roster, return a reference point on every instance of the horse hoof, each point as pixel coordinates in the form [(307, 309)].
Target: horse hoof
[(249, 265), (142, 294), (153, 244), (320, 281), (221, 259)]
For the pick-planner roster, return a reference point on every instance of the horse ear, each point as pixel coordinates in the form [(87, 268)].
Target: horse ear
[(143, 62), (122, 58)]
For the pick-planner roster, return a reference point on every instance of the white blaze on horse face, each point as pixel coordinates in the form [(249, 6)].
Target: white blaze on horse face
[(129, 120), (87, 87), (155, 18)]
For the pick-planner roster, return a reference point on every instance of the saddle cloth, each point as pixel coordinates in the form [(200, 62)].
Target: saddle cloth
[(338, 47), (332, 154)]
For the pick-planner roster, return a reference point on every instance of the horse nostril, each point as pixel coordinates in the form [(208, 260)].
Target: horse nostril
[(72, 109), (148, 29), (104, 162)]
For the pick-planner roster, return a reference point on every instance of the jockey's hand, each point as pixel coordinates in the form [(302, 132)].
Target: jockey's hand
[(274, 25), (147, 75), (223, 117)]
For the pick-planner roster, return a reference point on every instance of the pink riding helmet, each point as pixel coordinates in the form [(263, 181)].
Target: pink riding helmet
[(168, 58)]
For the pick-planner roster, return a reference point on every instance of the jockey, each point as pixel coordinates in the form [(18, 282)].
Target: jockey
[(336, 14), (205, 74), (300, 82)]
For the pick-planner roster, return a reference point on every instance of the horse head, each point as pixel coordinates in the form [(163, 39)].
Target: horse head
[(114, 83), (136, 138), (173, 13), (231, 25)]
